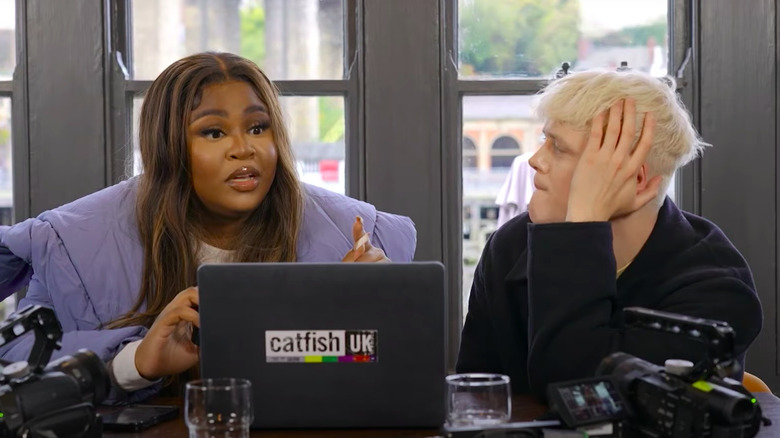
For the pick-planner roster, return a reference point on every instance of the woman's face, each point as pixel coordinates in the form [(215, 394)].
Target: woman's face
[(232, 151)]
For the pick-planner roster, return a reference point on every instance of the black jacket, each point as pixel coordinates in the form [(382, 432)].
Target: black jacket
[(545, 305)]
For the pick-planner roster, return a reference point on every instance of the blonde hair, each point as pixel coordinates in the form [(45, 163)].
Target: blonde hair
[(168, 210), (579, 97)]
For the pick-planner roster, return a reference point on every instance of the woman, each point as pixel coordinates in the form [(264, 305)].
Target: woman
[(219, 185)]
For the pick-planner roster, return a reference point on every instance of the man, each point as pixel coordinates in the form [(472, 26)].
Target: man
[(548, 293)]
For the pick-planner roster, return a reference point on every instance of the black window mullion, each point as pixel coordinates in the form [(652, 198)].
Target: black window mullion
[(313, 87), (502, 86), (137, 87), (452, 177), (20, 127), (354, 141), (288, 87)]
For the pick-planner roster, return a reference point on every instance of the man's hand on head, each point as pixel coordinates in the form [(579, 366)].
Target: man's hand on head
[(606, 182)]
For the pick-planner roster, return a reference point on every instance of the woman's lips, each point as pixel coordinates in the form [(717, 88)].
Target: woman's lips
[(244, 179), (244, 183)]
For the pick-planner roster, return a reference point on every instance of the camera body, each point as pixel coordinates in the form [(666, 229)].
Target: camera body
[(680, 399), (665, 403), (58, 399)]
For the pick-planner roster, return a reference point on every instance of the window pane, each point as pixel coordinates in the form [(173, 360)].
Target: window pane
[(288, 39), (469, 153), (137, 164), (531, 38), (7, 39), (6, 167), (316, 126), (6, 184), (500, 129)]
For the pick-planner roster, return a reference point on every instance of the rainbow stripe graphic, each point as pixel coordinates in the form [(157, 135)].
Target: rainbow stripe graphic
[(353, 358)]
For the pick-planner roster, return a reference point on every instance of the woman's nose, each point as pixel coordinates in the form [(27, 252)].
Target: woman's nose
[(241, 149)]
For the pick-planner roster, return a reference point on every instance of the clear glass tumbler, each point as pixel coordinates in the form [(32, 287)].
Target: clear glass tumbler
[(478, 399), (218, 408)]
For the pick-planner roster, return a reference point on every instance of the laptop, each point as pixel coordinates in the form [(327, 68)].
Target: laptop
[(329, 345)]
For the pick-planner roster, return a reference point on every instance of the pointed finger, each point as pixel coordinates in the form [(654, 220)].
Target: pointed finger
[(364, 242), (645, 142), (628, 129), (357, 229), (358, 251)]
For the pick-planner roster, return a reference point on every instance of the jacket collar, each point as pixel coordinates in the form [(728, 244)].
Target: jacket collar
[(669, 223)]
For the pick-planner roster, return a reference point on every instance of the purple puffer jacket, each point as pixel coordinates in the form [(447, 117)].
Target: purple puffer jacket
[(84, 260)]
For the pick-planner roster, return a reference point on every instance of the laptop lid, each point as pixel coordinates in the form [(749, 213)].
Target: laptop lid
[(337, 345)]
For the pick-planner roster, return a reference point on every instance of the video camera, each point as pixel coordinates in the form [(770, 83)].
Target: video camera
[(680, 399), (54, 400)]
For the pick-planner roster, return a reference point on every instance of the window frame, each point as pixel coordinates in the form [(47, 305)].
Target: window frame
[(455, 89), (123, 89), (15, 89)]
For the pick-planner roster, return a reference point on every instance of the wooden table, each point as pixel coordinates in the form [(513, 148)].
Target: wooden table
[(524, 408)]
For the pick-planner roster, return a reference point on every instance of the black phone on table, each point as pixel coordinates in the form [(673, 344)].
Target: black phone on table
[(135, 418)]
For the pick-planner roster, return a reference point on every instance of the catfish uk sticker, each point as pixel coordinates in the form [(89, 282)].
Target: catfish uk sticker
[(321, 346)]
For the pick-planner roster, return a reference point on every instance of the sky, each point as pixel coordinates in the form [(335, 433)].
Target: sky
[(7, 17), (600, 16)]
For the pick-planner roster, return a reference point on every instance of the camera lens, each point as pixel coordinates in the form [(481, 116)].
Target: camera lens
[(729, 405), (89, 371), (625, 369), (610, 363)]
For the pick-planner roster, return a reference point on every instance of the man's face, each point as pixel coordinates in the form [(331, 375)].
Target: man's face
[(554, 163)]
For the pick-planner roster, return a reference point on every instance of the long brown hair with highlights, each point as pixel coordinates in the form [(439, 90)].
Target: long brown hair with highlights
[(168, 210)]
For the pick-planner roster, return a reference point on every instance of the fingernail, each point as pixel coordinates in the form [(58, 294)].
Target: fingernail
[(359, 219), (360, 244)]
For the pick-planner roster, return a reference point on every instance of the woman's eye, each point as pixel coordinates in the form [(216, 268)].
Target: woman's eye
[(214, 134), (542, 138), (259, 128)]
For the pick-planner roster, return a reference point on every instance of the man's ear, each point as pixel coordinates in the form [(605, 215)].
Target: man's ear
[(646, 188), (641, 179)]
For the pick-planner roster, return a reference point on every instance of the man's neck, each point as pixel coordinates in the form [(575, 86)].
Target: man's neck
[(630, 233)]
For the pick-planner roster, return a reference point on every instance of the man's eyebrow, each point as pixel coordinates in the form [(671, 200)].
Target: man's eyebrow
[(556, 139)]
